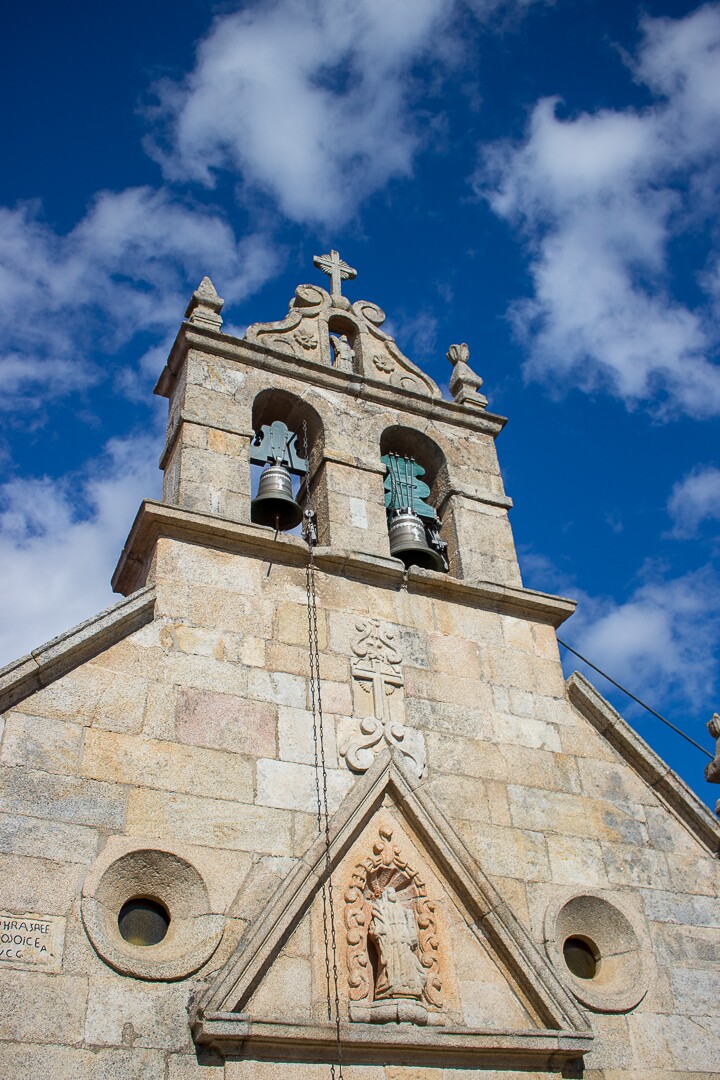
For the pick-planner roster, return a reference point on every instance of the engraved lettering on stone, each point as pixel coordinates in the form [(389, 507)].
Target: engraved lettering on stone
[(391, 940), (377, 671), (32, 941)]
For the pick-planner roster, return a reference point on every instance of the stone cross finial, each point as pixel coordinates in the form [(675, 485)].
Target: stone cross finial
[(336, 269), (205, 306), (464, 383)]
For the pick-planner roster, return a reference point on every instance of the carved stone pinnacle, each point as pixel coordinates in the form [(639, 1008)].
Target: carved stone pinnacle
[(712, 769), (205, 306), (464, 382)]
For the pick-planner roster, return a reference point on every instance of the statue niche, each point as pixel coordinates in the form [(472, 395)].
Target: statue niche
[(392, 947)]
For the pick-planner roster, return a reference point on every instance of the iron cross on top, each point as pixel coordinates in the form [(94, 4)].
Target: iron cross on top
[(336, 269)]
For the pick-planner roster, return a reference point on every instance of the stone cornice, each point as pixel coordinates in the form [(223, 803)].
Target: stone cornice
[(430, 1047), (156, 520), (673, 791), (42, 666), (247, 352)]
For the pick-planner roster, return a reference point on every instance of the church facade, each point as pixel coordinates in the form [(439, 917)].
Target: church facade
[(314, 798)]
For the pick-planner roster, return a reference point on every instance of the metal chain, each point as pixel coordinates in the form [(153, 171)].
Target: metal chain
[(321, 787)]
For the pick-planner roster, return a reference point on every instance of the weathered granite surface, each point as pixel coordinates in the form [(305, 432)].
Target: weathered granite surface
[(167, 750)]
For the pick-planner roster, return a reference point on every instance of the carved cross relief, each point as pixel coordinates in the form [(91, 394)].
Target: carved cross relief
[(391, 940), (378, 700)]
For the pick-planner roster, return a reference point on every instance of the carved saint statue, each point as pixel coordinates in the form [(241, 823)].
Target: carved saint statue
[(344, 352), (393, 929), (393, 953)]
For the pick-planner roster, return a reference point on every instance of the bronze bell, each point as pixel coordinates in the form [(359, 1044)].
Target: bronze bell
[(274, 504), (409, 542)]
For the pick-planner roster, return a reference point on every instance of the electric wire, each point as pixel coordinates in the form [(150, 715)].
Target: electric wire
[(634, 698)]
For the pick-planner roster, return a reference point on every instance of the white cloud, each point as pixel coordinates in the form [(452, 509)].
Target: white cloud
[(307, 101), (59, 541), (599, 198), (310, 101), (694, 500), (128, 267), (415, 334), (662, 642)]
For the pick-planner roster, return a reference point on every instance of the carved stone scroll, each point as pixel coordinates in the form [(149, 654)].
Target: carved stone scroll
[(316, 318), (391, 940), (379, 702)]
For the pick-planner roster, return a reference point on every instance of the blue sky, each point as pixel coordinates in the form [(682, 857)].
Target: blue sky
[(537, 179)]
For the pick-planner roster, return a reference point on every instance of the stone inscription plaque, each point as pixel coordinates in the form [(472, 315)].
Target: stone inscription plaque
[(32, 941)]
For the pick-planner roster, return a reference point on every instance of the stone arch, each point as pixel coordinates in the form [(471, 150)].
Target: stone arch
[(411, 443), (416, 444), (271, 405)]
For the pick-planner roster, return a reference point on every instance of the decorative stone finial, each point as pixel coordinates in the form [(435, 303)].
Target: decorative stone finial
[(337, 270), (464, 383), (712, 770), (205, 306)]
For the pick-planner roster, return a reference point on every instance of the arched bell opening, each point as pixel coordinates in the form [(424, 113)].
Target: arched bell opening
[(415, 477), (344, 344), (287, 446)]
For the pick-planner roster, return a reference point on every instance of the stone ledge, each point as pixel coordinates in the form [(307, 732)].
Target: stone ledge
[(49, 662), (260, 356), (651, 768), (229, 1033), (475, 495), (155, 520)]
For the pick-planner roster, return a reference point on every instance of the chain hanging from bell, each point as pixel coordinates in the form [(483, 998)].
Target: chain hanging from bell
[(408, 541)]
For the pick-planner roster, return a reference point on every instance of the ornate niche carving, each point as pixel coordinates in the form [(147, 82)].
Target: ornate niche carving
[(300, 333), (391, 941), (379, 704), (327, 329)]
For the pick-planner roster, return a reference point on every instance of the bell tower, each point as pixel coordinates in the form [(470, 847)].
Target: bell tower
[(325, 395)]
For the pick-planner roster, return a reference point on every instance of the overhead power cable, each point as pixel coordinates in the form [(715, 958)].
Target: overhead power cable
[(634, 698)]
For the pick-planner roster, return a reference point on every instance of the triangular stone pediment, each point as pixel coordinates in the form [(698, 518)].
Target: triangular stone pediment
[(431, 961)]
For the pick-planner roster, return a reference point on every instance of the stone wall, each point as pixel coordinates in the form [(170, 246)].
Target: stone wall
[(194, 735), (166, 751)]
